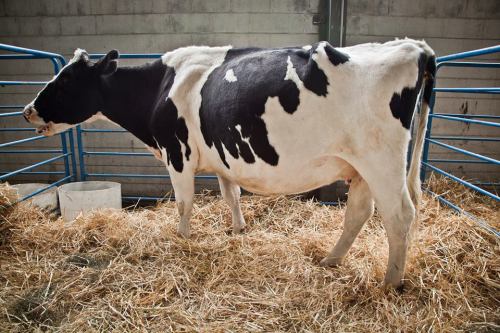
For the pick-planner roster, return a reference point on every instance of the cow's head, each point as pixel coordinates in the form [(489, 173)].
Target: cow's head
[(73, 96)]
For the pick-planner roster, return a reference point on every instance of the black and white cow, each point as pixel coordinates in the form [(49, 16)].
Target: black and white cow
[(285, 120)]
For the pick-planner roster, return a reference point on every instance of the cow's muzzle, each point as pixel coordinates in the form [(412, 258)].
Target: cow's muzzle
[(28, 111), (30, 114)]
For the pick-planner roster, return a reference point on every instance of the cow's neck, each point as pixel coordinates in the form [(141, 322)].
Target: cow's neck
[(129, 96)]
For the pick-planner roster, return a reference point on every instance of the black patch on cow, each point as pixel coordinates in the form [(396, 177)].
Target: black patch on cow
[(403, 104), (62, 100), (182, 134), (132, 94), (289, 99), (133, 97), (335, 56), (137, 99), (170, 130), (260, 75), (430, 70), (308, 71)]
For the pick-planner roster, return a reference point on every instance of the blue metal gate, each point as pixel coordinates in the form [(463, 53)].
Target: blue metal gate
[(67, 150), (477, 120)]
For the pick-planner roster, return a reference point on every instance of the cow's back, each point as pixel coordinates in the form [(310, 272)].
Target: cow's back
[(265, 115)]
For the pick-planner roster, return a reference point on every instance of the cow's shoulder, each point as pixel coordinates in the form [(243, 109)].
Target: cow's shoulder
[(198, 56)]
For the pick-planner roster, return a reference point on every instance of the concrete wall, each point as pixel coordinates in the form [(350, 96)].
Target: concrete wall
[(160, 25)]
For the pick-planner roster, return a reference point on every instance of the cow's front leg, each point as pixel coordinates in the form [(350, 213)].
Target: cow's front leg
[(231, 193), (183, 184)]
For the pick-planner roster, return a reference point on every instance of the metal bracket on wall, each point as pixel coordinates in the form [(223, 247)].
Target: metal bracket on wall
[(331, 20)]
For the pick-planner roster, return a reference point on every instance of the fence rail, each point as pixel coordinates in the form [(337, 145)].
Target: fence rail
[(487, 120), (67, 151)]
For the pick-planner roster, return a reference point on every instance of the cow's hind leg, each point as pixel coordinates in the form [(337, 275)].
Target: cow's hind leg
[(359, 210), (398, 213), (183, 184), (386, 177), (231, 193)]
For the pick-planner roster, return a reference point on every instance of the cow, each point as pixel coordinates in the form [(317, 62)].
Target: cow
[(270, 120)]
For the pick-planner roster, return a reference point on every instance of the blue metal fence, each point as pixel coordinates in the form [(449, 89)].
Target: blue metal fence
[(67, 146), (67, 151), (487, 120)]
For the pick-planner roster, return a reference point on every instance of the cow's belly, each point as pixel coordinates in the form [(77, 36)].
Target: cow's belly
[(289, 178)]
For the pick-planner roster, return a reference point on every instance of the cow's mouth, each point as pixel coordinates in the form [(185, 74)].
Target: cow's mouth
[(51, 128), (45, 130)]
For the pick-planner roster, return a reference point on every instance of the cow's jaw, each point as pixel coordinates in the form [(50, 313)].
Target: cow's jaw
[(47, 129), (50, 128)]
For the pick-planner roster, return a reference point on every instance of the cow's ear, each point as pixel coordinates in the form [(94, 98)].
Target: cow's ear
[(107, 65)]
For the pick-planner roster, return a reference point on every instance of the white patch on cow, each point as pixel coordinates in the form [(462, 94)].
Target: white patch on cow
[(230, 77), (193, 56), (291, 73), (78, 55), (97, 116), (183, 149), (155, 151), (51, 128), (192, 67), (244, 139), (157, 144), (307, 47), (100, 116), (60, 127)]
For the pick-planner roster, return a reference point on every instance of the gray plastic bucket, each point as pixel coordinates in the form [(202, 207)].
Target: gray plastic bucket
[(83, 197), (45, 200)]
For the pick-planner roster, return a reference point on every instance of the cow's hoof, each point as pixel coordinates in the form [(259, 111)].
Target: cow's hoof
[(184, 233), (398, 286), (239, 230), (331, 262)]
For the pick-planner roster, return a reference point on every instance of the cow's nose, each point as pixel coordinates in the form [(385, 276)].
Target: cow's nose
[(27, 112)]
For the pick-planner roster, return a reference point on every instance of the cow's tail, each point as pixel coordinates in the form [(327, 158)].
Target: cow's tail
[(413, 179)]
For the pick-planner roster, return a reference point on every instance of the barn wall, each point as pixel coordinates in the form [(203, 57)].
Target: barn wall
[(161, 25)]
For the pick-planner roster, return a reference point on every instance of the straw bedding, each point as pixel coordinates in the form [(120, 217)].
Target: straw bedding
[(129, 271)]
